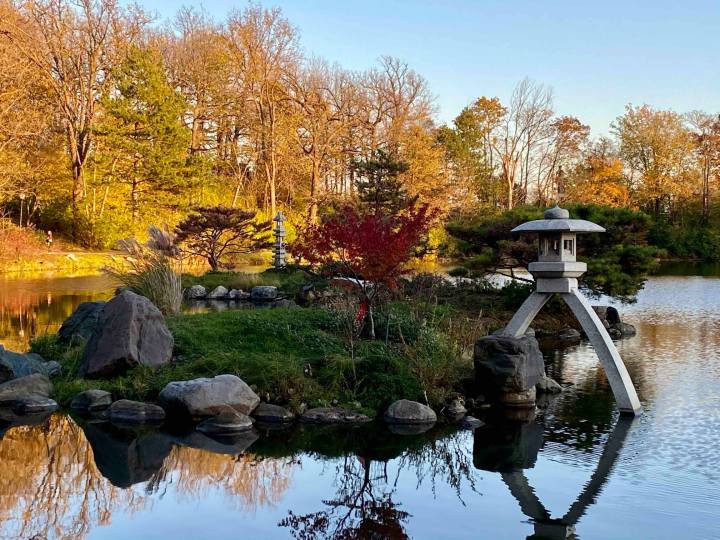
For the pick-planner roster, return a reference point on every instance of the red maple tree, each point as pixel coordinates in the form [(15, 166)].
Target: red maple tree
[(368, 248)]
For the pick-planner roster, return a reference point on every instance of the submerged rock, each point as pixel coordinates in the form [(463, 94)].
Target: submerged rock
[(272, 414), (129, 331), (405, 411), (91, 401), (227, 422), (548, 386), (263, 293), (196, 292), (80, 325), (36, 384), (569, 334), (125, 411), (15, 365), (470, 423), (205, 397), (218, 293), (332, 415)]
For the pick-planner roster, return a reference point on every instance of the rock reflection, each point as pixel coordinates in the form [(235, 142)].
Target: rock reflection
[(511, 447), (59, 480)]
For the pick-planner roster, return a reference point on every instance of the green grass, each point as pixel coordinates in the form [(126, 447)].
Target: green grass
[(289, 356)]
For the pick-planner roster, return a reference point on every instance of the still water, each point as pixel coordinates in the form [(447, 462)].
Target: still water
[(572, 471)]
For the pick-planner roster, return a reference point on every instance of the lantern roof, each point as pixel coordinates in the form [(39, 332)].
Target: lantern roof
[(558, 220)]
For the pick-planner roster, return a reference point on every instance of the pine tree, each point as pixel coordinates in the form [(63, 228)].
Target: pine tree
[(144, 135), (378, 184)]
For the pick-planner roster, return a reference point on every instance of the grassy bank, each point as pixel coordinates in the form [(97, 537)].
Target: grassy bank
[(289, 356)]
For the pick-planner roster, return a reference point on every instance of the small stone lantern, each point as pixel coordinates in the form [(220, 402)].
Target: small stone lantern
[(556, 272), (279, 253)]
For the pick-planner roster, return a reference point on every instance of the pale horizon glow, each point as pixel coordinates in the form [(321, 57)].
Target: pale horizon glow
[(597, 57)]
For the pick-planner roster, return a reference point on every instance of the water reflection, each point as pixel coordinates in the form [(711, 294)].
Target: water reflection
[(34, 306), (511, 446), (572, 467)]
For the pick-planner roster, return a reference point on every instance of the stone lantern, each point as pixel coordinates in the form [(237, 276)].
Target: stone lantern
[(279, 253), (556, 272)]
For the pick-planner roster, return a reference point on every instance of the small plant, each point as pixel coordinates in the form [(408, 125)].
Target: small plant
[(150, 273)]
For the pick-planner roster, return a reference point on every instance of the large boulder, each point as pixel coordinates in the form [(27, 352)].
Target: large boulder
[(332, 415), (36, 384), (15, 365), (196, 292), (405, 411), (129, 331), (91, 401), (263, 293), (507, 369), (80, 325), (199, 398), (608, 314), (505, 364), (125, 411), (218, 293)]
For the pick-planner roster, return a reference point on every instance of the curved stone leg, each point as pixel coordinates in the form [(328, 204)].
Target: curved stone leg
[(532, 305), (617, 374)]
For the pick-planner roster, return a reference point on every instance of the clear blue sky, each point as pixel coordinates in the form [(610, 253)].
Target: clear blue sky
[(597, 56)]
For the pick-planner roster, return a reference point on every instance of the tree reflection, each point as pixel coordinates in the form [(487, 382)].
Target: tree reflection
[(50, 486), (362, 507)]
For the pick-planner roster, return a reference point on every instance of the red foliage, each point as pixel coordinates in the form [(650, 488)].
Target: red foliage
[(365, 245)]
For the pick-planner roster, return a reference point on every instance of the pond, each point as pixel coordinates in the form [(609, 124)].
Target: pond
[(574, 470)]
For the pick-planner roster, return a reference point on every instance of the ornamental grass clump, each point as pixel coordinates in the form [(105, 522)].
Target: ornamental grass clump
[(151, 271)]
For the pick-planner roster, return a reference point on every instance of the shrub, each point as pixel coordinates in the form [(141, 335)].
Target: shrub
[(151, 274)]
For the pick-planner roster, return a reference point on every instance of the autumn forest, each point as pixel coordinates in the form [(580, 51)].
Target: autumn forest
[(111, 121)]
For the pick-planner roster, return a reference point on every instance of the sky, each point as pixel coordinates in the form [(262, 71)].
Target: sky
[(596, 56)]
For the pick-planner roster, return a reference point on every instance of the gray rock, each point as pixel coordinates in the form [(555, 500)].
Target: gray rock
[(615, 333), (15, 365), (470, 422), (332, 415), (30, 385), (548, 386), (218, 293), (80, 325), (237, 294), (455, 408), (506, 364), (129, 331), (34, 405), (272, 414), (91, 401), (204, 397), (196, 292), (263, 293), (405, 411), (569, 334), (125, 411), (228, 421), (524, 399)]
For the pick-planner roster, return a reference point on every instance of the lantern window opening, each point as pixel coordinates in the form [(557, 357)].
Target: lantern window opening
[(569, 246)]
